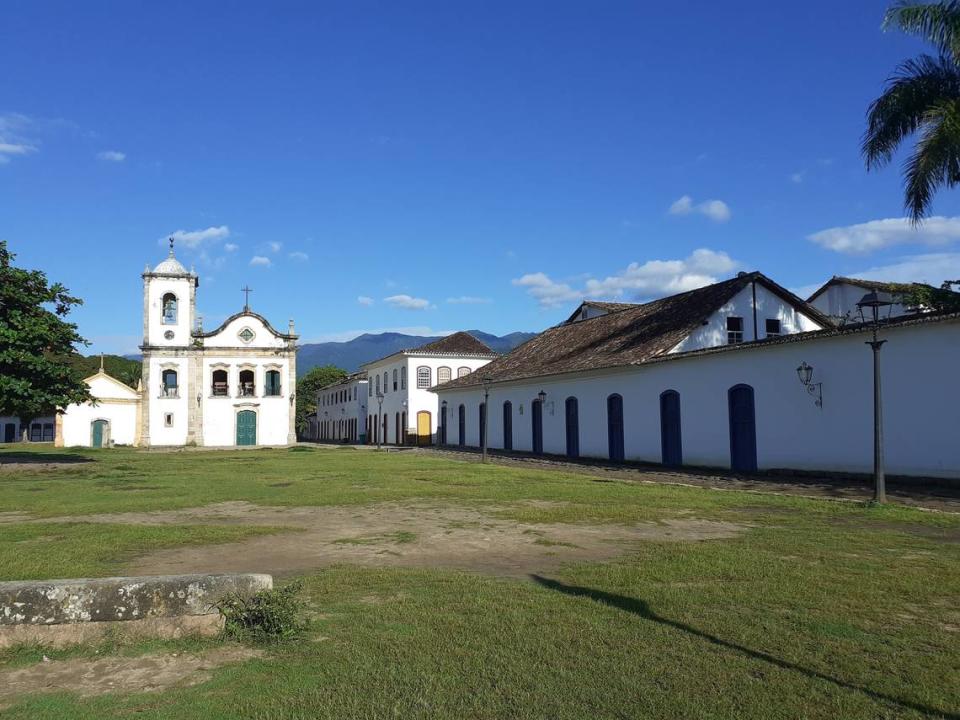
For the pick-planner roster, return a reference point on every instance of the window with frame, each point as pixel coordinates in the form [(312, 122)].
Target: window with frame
[(773, 327), (369, 389), (463, 372), (734, 330), (168, 419), (378, 384), (168, 387), (423, 377), (385, 381), (169, 303), (403, 377), (444, 374), (396, 374), (271, 386), (220, 386), (248, 386)]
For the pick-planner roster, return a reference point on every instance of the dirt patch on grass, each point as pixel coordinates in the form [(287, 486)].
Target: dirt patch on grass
[(402, 536), (146, 673)]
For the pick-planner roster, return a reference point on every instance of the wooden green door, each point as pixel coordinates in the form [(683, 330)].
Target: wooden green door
[(246, 427), (98, 427)]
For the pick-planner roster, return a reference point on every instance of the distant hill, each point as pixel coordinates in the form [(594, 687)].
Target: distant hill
[(352, 354)]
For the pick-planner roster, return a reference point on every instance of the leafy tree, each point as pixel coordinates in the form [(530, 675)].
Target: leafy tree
[(307, 387), (922, 96), (123, 369), (941, 299), (34, 337)]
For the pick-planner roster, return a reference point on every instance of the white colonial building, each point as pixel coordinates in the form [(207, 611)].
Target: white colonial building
[(229, 387), (838, 298), (718, 377), (401, 408), (342, 410)]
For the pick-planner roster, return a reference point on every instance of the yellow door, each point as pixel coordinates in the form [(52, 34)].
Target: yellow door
[(423, 428)]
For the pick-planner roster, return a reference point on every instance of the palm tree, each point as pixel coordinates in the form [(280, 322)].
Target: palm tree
[(922, 96)]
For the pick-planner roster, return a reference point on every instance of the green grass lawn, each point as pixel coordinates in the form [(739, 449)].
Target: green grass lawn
[(818, 610)]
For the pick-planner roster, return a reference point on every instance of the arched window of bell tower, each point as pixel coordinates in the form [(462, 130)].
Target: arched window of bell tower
[(169, 309)]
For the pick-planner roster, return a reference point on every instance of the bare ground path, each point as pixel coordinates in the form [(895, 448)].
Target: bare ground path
[(389, 534)]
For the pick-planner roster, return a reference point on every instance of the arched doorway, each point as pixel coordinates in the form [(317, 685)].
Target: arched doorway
[(536, 419), (483, 424), (615, 427), (246, 427), (403, 427), (424, 428), (462, 422), (100, 433), (386, 426), (573, 427), (670, 439), (743, 429), (508, 425), (396, 428)]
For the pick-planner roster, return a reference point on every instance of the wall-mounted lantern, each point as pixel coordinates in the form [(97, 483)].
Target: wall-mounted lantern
[(814, 390), (542, 397)]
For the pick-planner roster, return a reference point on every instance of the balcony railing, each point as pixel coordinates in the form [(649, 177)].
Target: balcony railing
[(221, 389), (170, 391), (247, 390)]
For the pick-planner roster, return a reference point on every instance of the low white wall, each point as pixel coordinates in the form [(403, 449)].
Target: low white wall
[(78, 419), (921, 402)]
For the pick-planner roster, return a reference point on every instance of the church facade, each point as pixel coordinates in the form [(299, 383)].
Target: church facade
[(233, 386)]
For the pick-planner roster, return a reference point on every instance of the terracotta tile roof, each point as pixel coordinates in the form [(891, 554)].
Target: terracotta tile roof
[(626, 337), (608, 306), (460, 343)]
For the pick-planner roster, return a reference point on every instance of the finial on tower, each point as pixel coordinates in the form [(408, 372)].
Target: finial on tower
[(171, 246), (101, 362)]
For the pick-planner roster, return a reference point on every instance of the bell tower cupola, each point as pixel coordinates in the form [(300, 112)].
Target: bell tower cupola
[(169, 303)]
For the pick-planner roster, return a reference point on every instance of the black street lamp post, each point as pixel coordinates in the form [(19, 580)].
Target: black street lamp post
[(874, 302), (378, 428), (486, 413)]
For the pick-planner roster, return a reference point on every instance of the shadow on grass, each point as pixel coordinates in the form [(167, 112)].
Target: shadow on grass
[(641, 609), (24, 457)]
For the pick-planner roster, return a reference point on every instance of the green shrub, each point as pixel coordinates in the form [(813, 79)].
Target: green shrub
[(267, 616)]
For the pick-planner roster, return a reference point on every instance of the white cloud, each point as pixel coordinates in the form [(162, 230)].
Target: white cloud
[(931, 268), (112, 156), (878, 234), (408, 303), (653, 278), (365, 300), (275, 247), (797, 177), (231, 247), (299, 256), (195, 238), (469, 300), (12, 138), (260, 261), (716, 210)]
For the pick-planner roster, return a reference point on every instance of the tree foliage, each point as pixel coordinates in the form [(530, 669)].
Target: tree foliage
[(34, 339), (921, 98), (931, 299), (123, 369), (307, 388)]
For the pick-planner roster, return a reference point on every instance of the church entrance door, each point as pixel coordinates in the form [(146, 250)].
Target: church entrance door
[(99, 433), (246, 427)]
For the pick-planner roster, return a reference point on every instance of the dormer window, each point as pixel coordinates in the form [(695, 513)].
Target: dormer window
[(169, 309), (734, 330), (773, 327)]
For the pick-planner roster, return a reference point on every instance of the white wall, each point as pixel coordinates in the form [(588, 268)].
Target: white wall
[(921, 401), (769, 305), (156, 288), (78, 419), (219, 414), (330, 411)]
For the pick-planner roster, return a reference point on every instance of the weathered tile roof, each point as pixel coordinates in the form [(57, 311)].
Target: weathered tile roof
[(626, 337), (460, 343), (608, 306)]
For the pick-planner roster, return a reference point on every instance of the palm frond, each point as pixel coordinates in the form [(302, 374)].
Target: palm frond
[(938, 23), (935, 162), (915, 87)]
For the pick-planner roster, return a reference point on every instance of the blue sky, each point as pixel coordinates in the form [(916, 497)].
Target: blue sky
[(444, 165)]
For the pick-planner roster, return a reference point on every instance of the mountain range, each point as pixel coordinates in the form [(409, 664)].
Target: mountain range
[(350, 355)]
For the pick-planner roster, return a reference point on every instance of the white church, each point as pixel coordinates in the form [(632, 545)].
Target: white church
[(233, 386)]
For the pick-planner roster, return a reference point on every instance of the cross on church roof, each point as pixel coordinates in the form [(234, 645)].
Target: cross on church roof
[(246, 299)]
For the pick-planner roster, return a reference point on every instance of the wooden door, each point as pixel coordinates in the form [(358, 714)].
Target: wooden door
[(671, 447), (246, 427), (573, 427), (462, 422), (99, 433), (743, 429), (508, 425), (615, 427), (536, 418), (424, 429)]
